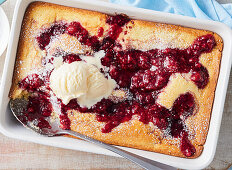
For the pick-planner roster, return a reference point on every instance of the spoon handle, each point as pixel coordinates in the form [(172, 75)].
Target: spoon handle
[(141, 161)]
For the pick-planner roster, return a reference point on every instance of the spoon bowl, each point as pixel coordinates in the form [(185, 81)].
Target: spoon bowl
[(19, 105)]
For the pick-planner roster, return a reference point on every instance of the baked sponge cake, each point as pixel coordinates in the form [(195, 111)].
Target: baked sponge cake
[(125, 82)]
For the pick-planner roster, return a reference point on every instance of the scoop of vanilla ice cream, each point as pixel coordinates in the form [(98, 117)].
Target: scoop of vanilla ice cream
[(98, 87), (69, 81), (82, 81)]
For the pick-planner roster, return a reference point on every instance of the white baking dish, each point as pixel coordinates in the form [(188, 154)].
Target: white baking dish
[(10, 127)]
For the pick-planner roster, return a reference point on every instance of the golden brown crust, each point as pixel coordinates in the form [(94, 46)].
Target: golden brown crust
[(140, 35)]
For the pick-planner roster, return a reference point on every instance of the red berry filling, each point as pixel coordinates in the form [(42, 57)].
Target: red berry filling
[(71, 58), (100, 32), (42, 123), (200, 77), (31, 83), (119, 20), (149, 80), (64, 121), (186, 147), (76, 29), (184, 105), (38, 108)]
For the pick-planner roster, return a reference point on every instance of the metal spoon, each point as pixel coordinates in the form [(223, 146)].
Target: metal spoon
[(18, 105)]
